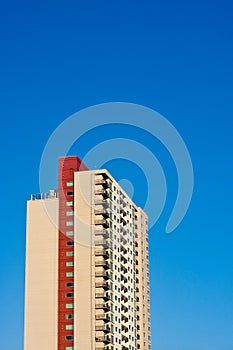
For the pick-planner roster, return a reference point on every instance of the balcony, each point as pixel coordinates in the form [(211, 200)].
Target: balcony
[(123, 212), (102, 243), (124, 298), (103, 306), (102, 274), (103, 339), (124, 338), (124, 318), (103, 317), (103, 233), (104, 328), (102, 252), (123, 249), (104, 193), (123, 240), (103, 263), (104, 296), (123, 230), (101, 221), (123, 259), (124, 288), (122, 202), (124, 279), (123, 269), (124, 308), (103, 203), (123, 221), (103, 182), (124, 328), (102, 284), (104, 212)]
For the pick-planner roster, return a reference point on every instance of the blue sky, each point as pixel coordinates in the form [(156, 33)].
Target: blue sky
[(172, 56)]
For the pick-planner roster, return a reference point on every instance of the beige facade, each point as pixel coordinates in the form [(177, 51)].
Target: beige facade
[(111, 272), (40, 318)]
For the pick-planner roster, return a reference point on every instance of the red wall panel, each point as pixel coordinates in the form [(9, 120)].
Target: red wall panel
[(66, 168)]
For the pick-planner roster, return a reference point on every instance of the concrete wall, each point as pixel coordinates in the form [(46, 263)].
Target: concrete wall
[(40, 331)]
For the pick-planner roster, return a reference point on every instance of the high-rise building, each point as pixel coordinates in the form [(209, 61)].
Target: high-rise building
[(87, 272)]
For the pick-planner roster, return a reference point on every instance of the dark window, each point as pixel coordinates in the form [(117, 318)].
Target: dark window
[(70, 193), (70, 295), (69, 337), (68, 316), (70, 243), (70, 284)]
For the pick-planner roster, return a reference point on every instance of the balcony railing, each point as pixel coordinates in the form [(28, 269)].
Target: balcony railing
[(123, 269), (103, 274), (103, 192), (104, 339), (123, 249), (124, 318), (123, 221), (100, 202), (102, 222), (103, 317), (123, 230), (105, 307), (102, 284), (124, 288), (123, 278), (48, 195), (124, 298), (103, 182), (102, 252), (105, 233), (124, 328), (102, 296), (123, 259), (104, 212), (104, 328), (103, 263), (123, 240)]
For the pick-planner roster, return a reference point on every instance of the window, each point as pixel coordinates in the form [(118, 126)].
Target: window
[(70, 213), (70, 183), (69, 223), (69, 348), (70, 284), (69, 337), (69, 295), (69, 253), (69, 316), (69, 233), (69, 263), (69, 306), (69, 274), (69, 204), (70, 193), (70, 243), (69, 327)]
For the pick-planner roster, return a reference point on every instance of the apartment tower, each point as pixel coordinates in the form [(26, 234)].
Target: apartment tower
[(87, 272)]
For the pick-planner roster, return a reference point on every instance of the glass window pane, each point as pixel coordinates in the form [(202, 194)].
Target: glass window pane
[(69, 253), (69, 327), (69, 223), (69, 233), (69, 274), (69, 306)]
